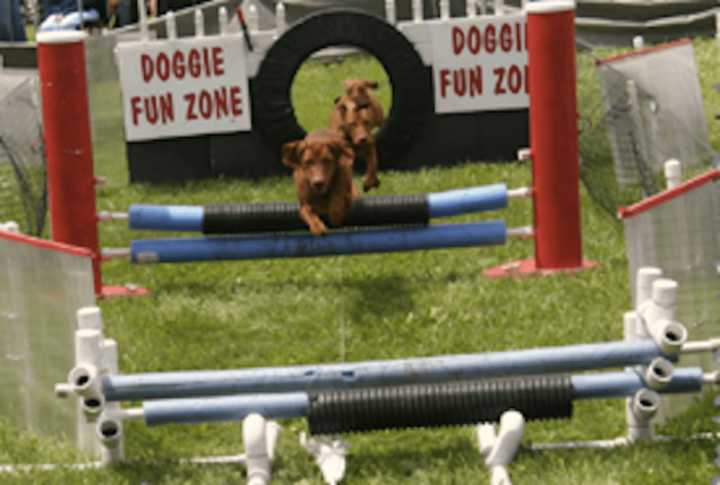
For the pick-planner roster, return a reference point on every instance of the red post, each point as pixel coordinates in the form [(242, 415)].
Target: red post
[(553, 141), (554, 134), (66, 122), (68, 142)]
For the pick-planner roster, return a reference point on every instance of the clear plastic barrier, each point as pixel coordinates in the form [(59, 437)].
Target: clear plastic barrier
[(40, 292)]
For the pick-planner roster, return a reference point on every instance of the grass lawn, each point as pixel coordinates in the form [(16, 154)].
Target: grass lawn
[(243, 314)]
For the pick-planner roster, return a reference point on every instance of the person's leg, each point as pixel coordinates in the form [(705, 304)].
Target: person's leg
[(18, 23), (6, 25)]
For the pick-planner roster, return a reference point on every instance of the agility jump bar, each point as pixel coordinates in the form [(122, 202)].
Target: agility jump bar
[(388, 210), (359, 241), (446, 404), (353, 375)]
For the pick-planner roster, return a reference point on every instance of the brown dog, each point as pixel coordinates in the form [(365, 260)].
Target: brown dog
[(356, 114), (322, 170)]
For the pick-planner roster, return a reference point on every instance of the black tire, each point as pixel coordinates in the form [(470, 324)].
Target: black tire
[(273, 112)]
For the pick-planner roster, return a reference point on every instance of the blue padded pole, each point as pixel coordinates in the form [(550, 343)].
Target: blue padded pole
[(381, 372), (297, 404), (166, 217), (439, 204), (226, 408), (626, 384), (305, 245), (463, 201)]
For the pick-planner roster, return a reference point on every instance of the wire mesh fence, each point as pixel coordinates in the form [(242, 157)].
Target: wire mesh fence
[(23, 188), (637, 112)]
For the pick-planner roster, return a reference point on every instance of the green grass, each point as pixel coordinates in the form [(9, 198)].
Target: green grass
[(243, 314)]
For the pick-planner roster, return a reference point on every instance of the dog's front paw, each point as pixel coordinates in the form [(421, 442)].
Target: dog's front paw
[(318, 228), (370, 183)]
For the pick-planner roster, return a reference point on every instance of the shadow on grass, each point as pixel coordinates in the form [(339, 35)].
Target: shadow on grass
[(379, 296)]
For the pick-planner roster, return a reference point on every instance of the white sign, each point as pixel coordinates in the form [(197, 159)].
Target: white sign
[(480, 64), (184, 87)]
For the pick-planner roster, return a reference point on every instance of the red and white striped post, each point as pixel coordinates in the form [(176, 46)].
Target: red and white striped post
[(68, 145), (553, 142)]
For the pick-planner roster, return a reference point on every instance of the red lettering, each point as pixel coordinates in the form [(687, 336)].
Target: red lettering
[(206, 61), (194, 63), (236, 100), (458, 40), (490, 39), (178, 64), (506, 37), (444, 82), (527, 81), (167, 108), (476, 84), (499, 80), (163, 66), (135, 108), (218, 61), (514, 79), (151, 109), (518, 39), (221, 98), (473, 42), (146, 66), (190, 113), (459, 85), (205, 104)]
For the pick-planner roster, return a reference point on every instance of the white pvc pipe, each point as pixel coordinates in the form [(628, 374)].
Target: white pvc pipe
[(698, 346), (104, 216), (646, 276), (519, 192), (673, 173), (253, 19), (658, 373), (115, 253), (390, 12), (445, 9), (644, 405), (83, 380), (470, 8), (499, 7), (417, 11), (223, 20), (524, 232), (508, 439), (171, 25), (144, 35), (280, 21), (110, 435), (199, 23), (256, 450), (89, 318), (638, 42)]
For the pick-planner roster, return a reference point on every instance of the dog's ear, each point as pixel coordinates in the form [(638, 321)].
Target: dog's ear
[(343, 152), (348, 83), (337, 100), (371, 84), (291, 153)]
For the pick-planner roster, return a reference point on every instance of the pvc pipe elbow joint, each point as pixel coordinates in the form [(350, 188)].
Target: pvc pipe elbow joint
[(83, 380), (256, 450), (645, 404), (109, 432), (669, 336), (508, 439), (658, 373), (92, 406)]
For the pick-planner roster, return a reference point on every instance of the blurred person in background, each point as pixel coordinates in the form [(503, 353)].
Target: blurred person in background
[(12, 26), (64, 14)]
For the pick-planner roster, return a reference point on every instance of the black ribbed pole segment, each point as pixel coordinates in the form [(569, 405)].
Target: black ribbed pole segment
[(434, 405), (386, 210)]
